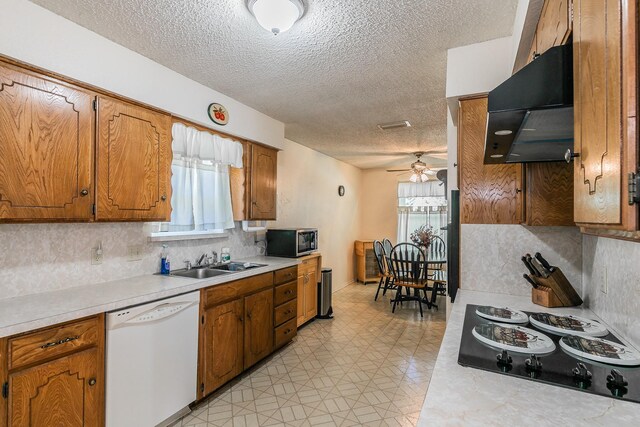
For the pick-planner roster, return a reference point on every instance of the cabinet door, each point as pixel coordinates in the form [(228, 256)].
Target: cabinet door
[(302, 278), (263, 173), (63, 392), (221, 346), (554, 26), (258, 326), (46, 148), (604, 112), (549, 200), (133, 163), (489, 194), (311, 296)]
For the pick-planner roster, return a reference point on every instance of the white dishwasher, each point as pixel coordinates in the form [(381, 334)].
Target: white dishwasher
[(151, 361)]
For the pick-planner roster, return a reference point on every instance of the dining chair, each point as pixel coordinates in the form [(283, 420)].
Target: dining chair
[(408, 264), (437, 271), (388, 246), (386, 278)]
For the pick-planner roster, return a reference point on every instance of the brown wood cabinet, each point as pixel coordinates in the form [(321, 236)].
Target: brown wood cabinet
[(605, 85), (221, 352), (309, 272), (536, 194), (46, 148), (366, 264), (133, 165), (258, 327), (549, 194), (554, 26), (254, 188), (489, 194), (56, 375)]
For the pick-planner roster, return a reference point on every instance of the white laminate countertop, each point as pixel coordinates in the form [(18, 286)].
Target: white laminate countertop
[(460, 396), (29, 312)]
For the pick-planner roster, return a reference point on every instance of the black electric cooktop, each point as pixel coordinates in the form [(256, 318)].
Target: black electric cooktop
[(557, 368)]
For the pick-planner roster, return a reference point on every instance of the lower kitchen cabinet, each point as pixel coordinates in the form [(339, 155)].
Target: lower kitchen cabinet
[(221, 345), (308, 274), (55, 376), (238, 325), (258, 327)]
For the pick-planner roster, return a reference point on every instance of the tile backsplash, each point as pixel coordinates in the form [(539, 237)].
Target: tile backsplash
[(490, 255), (37, 258), (613, 266)]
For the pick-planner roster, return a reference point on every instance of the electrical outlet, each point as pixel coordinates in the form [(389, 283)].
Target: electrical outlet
[(96, 256), (134, 253), (605, 282)]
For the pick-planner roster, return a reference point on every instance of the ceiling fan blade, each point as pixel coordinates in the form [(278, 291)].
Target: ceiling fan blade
[(399, 170)]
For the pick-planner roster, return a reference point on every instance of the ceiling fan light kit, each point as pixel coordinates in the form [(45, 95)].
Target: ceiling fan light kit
[(276, 16)]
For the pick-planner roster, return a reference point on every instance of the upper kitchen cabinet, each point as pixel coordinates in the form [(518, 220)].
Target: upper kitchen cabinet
[(46, 148), (254, 188), (536, 194), (605, 84), (554, 26), (489, 194), (133, 163)]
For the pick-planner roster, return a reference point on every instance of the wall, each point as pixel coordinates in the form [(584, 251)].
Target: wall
[(46, 257), (490, 255), (612, 265), (379, 200), (308, 197), (39, 37)]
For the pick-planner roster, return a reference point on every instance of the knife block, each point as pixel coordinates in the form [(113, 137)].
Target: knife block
[(554, 291)]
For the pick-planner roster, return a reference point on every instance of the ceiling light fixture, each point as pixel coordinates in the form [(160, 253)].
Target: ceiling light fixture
[(422, 177), (394, 125), (276, 16)]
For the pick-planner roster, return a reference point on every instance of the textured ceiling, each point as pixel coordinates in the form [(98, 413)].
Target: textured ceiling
[(343, 68)]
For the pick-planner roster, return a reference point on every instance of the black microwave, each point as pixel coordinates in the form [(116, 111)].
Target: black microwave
[(291, 243)]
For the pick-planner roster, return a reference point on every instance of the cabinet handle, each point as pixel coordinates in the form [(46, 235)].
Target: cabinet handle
[(249, 315), (518, 190), (288, 312), (288, 292), (62, 341), (287, 331), (92, 382), (163, 197), (84, 192)]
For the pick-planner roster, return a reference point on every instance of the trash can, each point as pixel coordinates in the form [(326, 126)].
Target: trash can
[(324, 295)]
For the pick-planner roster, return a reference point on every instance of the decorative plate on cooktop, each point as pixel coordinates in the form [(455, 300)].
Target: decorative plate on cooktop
[(513, 338), (568, 325), (600, 350), (502, 314)]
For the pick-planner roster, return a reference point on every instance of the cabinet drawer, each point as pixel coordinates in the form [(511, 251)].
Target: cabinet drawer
[(308, 266), (53, 342), (285, 275), (285, 312), (285, 333), (229, 291), (285, 292)]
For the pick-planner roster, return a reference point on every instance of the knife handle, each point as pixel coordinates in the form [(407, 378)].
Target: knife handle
[(531, 281), (543, 261), (528, 265)]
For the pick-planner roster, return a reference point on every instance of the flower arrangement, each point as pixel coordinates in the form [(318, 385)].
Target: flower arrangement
[(422, 236)]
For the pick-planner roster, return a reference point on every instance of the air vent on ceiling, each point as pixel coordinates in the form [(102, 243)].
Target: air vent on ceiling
[(395, 125)]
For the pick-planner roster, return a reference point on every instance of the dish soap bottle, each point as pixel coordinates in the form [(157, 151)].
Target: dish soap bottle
[(165, 264), (225, 256)]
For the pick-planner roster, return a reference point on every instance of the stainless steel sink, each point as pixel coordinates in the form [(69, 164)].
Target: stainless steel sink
[(199, 273), (236, 266)]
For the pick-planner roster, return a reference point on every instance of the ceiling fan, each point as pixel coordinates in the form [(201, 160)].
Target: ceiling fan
[(421, 171)]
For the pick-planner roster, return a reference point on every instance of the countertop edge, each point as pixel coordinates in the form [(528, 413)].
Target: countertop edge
[(88, 300)]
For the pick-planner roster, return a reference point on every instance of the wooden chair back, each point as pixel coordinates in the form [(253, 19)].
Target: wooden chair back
[(437, 248), (408, 265), (388, 247), (378, 250)]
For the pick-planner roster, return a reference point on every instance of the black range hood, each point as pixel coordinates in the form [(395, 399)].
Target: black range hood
[(530, 115)]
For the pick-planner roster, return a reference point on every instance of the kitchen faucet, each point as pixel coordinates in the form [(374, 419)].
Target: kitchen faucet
[(200, 260)]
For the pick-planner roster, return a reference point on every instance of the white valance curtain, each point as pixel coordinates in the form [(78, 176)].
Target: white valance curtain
[(420, 203), (201, 198)]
